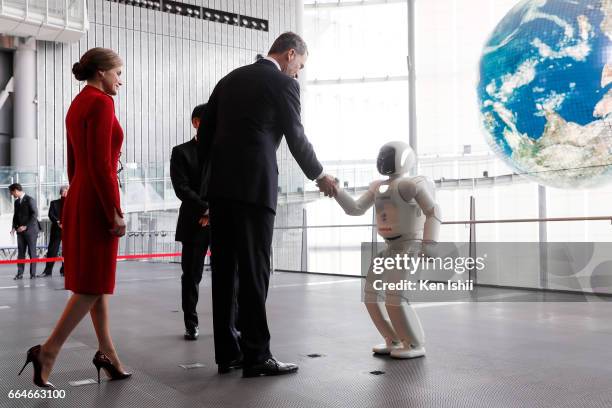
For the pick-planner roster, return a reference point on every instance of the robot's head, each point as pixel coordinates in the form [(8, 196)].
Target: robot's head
[(395, 158)]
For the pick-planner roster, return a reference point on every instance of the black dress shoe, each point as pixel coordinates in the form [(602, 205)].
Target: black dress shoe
[(192, 333), (269, 367), (225, 368), (44, 275), (32, 276), (17, 277)]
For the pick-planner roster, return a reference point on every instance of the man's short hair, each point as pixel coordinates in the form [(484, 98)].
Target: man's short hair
[(197, 111), (15, 186), (287, 41), (63, 188)]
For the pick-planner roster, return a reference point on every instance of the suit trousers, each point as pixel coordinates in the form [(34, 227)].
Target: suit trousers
[(26, 240), (241, 237), (192, 264), (55, 238)]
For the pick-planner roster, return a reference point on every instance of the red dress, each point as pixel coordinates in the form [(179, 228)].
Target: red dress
[(94, 145)]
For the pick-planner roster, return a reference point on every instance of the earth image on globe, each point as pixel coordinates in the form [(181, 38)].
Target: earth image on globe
[(545, 91)]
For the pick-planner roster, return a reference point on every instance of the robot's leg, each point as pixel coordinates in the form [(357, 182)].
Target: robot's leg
[(407, 325), (403, 317), (381, 320), (374, 302)]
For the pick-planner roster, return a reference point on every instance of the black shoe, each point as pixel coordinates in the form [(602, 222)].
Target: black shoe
[(33, 356), (225, 368), (192, 333), (18, 276), (44, 275), (269, 367), (101, 360), (32, 276)]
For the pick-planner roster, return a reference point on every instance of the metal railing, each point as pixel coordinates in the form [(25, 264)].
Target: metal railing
[(333, 250), (336, 249)]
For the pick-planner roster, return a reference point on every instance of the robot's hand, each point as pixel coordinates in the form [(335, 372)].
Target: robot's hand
[(429, 249)]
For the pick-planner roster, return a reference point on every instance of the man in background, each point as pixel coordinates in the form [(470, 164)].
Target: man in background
[(192, 228), (55, 236), (25, 224)]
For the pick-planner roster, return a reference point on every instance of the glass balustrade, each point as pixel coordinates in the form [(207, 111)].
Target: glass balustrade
[(312, 234)]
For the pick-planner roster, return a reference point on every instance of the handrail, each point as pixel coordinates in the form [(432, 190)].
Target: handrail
[(519, 220), (467, 222), (503, 221)]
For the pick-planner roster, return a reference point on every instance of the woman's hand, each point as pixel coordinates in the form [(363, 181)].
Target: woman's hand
[(118, 225), (204, 219)]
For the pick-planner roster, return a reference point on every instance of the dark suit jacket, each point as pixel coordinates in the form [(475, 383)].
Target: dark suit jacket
[(186, 176), (247, 114), (26, 213), (55, 215)]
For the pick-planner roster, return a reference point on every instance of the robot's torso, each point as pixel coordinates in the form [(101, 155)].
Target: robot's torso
[(398, 215)]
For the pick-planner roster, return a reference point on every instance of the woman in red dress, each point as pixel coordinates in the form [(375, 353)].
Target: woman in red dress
[(91, 218)]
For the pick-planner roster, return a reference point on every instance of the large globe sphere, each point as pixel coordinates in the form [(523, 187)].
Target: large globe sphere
[(545, 91)]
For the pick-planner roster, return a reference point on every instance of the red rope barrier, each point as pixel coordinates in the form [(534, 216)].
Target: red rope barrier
[(119, 258), (26, 261)]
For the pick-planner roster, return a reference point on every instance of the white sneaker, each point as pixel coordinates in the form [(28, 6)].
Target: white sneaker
[(408, 352), (387, 347)]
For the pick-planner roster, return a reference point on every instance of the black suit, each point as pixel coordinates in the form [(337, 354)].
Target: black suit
[(55, 236), (248, 113), (185, 173), (26, 214)]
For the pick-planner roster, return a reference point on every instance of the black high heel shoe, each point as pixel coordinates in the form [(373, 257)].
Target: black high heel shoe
[(33, 357), (101, 360)]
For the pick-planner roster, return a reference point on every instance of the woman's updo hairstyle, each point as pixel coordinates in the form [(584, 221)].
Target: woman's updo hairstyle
[(96, 59)]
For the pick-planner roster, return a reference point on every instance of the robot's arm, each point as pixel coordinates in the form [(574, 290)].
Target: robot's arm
[(422, 191), (352, 206)]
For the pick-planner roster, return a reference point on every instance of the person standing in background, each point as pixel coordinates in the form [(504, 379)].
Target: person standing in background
[(55, 236), (27, 227), (192, 228)]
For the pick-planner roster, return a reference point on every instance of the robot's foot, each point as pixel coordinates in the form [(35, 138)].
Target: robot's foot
[(387, 348), (408, 352)]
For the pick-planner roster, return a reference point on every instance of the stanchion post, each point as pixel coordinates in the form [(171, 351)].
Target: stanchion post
[(472, 245), (304, 259)]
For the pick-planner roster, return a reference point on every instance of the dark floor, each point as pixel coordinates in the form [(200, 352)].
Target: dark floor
[(479, 354)]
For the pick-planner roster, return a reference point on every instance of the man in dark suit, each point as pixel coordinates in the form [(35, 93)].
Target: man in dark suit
[(25, 223), (55, 236), (192, 228), (248, 113)]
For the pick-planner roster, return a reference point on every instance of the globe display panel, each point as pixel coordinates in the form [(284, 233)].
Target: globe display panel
[(545, 91)]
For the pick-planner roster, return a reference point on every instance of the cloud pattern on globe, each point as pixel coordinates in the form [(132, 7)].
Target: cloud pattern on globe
[(545, 91)]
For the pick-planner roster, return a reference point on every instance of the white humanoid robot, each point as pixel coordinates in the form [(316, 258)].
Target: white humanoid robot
[(408, 218)]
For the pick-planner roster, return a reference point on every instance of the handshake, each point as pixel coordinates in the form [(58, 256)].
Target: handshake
[(328, 185)]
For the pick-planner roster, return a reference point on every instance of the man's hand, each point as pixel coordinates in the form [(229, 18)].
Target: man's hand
[(22, 228), (328, 186), (59, 224), (13, 231)]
